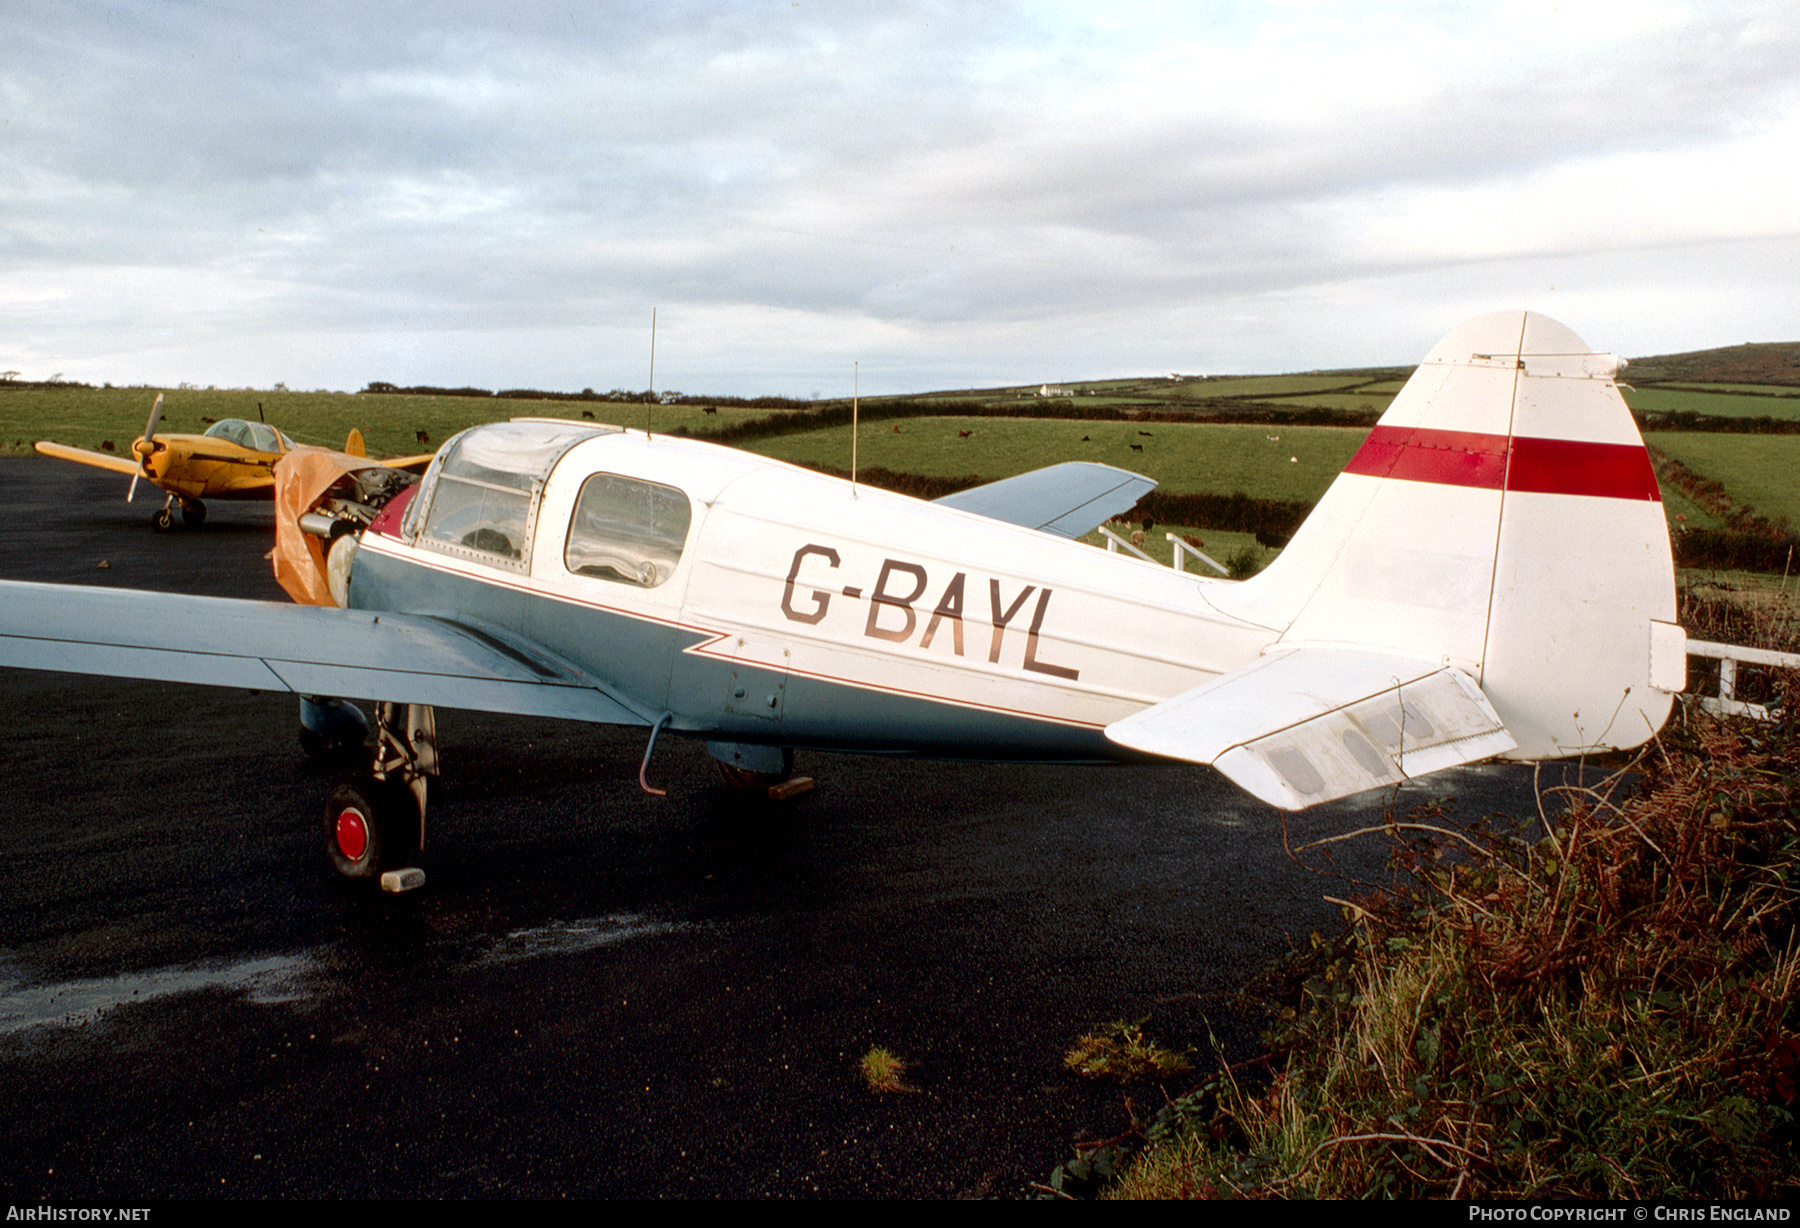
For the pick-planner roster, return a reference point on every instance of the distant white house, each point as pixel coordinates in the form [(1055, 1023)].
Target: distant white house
[(1055, 390)]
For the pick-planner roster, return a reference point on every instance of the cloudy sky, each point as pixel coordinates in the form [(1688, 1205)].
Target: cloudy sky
[(948, 194)]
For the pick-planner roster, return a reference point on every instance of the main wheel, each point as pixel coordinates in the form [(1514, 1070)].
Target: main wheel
[(193, 513), (368, 827)]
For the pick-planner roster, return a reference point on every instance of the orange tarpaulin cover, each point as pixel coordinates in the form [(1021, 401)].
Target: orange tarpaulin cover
[(301, 479)]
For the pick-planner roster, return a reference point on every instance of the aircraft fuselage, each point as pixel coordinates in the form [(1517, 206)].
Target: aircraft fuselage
[(902, 627), (199, 467)]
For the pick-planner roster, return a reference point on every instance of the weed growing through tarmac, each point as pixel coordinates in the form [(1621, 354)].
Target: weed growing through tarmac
[(883, 1071), (1119, 1051)]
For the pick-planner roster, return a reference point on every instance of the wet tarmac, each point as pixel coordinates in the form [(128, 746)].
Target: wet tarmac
[(598, 993)]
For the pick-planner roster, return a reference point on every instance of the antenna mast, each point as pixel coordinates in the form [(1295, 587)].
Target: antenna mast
[(652, 400), (855, 388)]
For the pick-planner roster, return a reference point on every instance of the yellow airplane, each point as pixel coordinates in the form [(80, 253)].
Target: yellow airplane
[(234, 459)]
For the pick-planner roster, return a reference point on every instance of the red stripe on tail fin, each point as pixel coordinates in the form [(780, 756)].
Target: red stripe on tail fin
[(1541, 466)]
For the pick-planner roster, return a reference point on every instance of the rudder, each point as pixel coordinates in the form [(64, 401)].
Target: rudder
[(1503, 517)]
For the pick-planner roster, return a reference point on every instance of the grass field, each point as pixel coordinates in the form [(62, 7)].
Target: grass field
[(1682, 510), (1183, 457), (83, 417), (1298, 463), (1160, 393), (1352, 402), (1256, 387), (1777, 390), (1718, 404), (1757, 470), (1760, 471)]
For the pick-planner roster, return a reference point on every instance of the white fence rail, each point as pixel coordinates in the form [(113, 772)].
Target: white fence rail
[(1182, 549), (1114, 541), (1728, 657)]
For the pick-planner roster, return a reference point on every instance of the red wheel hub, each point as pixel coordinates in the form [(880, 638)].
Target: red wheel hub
[(352, 833)]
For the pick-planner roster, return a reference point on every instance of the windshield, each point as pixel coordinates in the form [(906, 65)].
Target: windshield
[(257, 436), (480, 497)]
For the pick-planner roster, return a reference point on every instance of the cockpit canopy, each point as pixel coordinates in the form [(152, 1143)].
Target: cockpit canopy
[(257, 436), (480, 496)]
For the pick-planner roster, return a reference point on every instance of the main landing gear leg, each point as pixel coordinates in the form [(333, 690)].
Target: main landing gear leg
[(375, 824)]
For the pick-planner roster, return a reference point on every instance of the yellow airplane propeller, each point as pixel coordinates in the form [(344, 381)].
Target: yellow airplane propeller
[(145, 446)]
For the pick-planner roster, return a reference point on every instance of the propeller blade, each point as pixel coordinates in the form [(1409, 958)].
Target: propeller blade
[(155, 417), (143, 454)]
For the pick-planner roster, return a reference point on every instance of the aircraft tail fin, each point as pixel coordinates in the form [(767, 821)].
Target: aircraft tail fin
[(1502, 520), (353, 443)]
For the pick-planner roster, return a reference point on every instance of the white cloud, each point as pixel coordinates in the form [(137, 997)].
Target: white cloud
[(954, 193)]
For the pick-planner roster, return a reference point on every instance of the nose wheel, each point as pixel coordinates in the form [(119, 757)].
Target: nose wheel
[(193, 514)]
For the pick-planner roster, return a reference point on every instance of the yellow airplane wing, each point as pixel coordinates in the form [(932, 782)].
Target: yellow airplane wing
[(354, 446), (100, 460)]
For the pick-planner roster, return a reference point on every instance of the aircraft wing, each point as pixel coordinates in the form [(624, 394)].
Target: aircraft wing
[(309, 650), (1069, 500), (1313, 724), (100, 460)]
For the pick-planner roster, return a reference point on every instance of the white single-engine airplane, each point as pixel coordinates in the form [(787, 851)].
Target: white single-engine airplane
[(1490, 576)]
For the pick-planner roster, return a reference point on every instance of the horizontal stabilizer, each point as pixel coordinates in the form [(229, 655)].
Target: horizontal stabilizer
[(1069, 500), (309, 650), (1315, 724)]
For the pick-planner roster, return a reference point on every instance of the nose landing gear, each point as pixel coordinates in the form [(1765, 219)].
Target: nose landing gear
[(193, 514)]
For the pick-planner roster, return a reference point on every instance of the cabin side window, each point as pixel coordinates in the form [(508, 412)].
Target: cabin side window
[(627, 530)]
